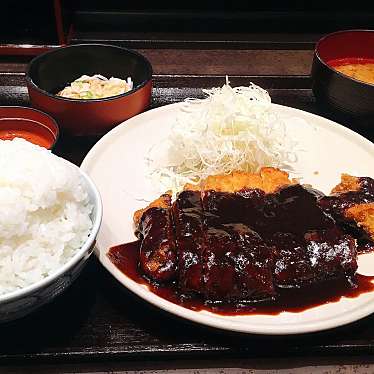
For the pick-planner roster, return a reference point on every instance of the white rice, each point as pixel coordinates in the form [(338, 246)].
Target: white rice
[(44, 213)]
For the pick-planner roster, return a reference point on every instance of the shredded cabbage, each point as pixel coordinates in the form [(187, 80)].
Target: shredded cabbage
[(231, 129)]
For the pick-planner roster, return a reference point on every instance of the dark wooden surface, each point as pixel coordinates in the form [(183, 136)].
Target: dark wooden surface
[(185, 40), (97, 320)]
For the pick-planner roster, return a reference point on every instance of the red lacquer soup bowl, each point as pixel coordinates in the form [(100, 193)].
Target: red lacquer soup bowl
[(349, 99), (50, 72)]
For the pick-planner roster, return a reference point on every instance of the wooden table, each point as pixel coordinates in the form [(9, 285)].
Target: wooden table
[(98, 326)]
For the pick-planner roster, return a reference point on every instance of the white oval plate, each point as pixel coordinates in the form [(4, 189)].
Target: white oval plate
[(117, 166)]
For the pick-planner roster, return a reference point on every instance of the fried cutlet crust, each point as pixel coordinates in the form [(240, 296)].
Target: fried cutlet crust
[(347, 183), (361, 214), (268, 180), (164, 201)]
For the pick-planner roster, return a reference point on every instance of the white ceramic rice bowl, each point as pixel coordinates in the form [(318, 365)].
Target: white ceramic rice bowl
[(19, 303)]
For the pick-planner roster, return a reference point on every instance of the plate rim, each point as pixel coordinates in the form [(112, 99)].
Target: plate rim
[(207, 318)]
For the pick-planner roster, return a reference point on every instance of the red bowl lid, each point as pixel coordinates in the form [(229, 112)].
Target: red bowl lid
[(30, 124)]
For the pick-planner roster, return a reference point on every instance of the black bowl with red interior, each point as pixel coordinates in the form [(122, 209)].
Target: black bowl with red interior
[(344, 97), (50, 72)]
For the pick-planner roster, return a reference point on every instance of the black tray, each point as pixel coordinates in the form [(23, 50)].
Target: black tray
[(98, 319)]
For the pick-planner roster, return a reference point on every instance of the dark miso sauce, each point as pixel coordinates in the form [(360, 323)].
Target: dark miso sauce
[(126, 257), (365, 247), (337, 204)]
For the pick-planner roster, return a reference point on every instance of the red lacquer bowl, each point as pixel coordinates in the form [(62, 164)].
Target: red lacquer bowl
[(50, 72), (349, 100), (27, 123)]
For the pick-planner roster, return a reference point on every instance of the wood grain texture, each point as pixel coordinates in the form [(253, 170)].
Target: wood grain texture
[(24, 49), (222, 40), (220, 61), (230, 62), (310, 365)]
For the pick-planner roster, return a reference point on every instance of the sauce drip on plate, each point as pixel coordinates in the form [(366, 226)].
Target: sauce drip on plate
[(126, 258)]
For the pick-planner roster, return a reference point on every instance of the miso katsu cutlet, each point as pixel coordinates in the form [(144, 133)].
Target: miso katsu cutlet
[(240, 238), (351, 204), (158, 249)]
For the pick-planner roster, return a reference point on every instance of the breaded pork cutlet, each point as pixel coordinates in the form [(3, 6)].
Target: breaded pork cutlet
[(155, 229), (268, 180), (304, 245), (352, 204), (173, 235), (239, 237)]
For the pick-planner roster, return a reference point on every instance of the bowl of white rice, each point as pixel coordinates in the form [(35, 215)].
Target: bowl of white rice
[(50, 214)]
